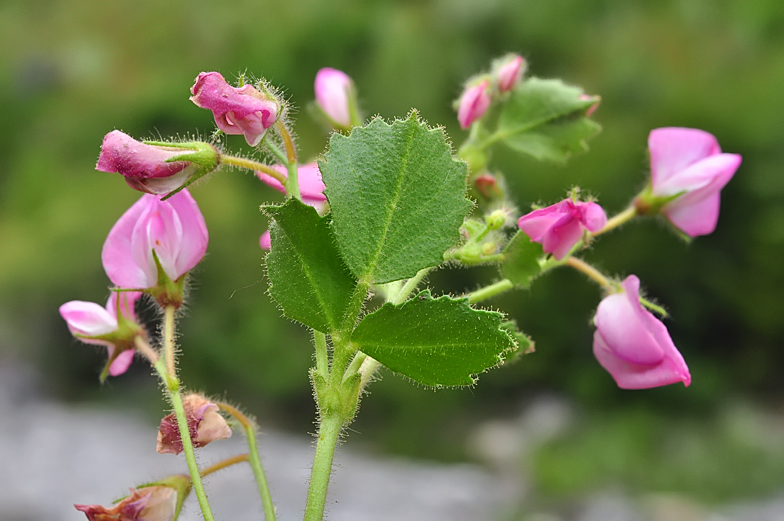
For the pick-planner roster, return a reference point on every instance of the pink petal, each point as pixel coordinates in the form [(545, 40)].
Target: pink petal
[(699, 218), (159, 229), (592, 216), (118, 252), (332, 88), (620, 326), (311, 187), (87, 318), (509, 73), (473, 104), (122, 154), (195, 236), (703, 177), (562, 237), (265, 241), (127, 303), (121, 363), (536, 223), (673, 149)]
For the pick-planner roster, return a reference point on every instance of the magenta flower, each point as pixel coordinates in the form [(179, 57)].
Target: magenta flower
[(155, 503), (311, 187), (633, 345), (237, 110), (93, 324), (334, 95), (473, 104), (560, 226), (174, 229), (205, 424), (688, 161), (150, 168), (509, 72)]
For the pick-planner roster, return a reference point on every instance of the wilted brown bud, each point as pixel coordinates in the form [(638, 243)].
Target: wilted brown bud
[(205, 424)]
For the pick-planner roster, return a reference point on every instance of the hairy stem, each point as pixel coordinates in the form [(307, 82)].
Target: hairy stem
[(253, 458), (168, 341), (228, 462), (253, 165), (322, 357), (617, 220), (593, 273), (329, 432), (490, 291), (410, 286), (145, 349)]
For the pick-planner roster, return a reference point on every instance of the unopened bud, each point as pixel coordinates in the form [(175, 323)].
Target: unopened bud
[(496, 220), (205, 424), (335, 97), (160, 501), (508, 71)]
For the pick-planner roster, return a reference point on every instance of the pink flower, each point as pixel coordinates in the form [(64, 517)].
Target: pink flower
[(633, 345), (237, 110), (473, 104), (205, 424), (93, 324), (509, 72), (265, 241), (145, 167), (156, 503), (689, 161), (334, 93), (174, 229), (560, 226), (311, 187)]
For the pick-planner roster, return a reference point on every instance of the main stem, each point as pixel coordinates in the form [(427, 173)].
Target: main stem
[(329, 432)]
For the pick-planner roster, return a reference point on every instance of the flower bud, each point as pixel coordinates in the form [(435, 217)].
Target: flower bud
[(237, 110), (159, 501), (496, 220), (157, 168), (113, 326), (205, 424), (688, 170), (335, 96), (558, 228), (154, 244), (508, 71), (473, 103), (633, 345), (488, 186), (265, 241)]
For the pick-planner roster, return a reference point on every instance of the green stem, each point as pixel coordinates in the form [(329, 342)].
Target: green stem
[(410, 286), (490, 291), (228, 462), (355, 364), (168, 341), (253, 458), (593, 273), (617, 220), (241, 162), (322, 357), (369, 367), (277, 152), (329, 432), (292, 183), (173, 388)]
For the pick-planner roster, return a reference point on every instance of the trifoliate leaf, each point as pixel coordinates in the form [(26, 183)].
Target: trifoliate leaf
[(308, 277), (546, 119), (397, 197), (436, 342)]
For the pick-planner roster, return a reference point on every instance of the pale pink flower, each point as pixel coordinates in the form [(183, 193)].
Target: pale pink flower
[(174, 229), (633, 345), (156, 503), (334, 93), (205, 424), (93, 324), (560, 226), (311, 187), (237, 110), (265, 241), (509, 72), (473, 104), (689, 161), (144, 167)]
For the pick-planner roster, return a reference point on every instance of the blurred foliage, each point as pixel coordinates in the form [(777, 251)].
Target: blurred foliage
[(73, 70)]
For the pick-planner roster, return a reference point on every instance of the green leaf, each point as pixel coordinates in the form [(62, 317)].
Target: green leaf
[(436, 342), (546, 119), (307, 275), (521, 260), (525, 345), (397, 197)]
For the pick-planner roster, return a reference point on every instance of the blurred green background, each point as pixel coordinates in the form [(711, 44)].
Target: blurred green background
[(71, 71)]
